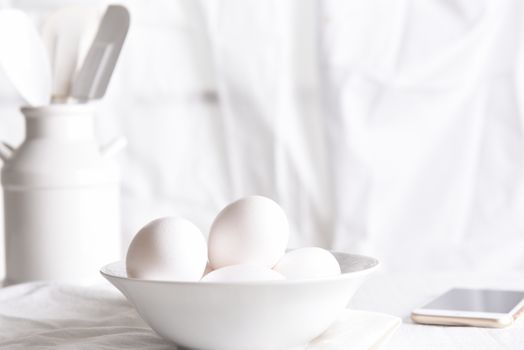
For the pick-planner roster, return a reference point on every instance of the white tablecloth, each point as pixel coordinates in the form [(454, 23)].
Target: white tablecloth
[(398, 294), (42, 315)]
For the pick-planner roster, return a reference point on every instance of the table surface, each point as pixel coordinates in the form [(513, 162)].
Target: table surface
[(398, 294), (39, 314)]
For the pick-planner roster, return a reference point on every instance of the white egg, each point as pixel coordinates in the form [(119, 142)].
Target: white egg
[(167, 249), (308, 263), (242, 273), (208, 269), (252, 230)]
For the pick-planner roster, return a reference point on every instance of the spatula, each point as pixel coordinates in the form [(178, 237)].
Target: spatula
[(63, 32), (93, 78), (24, 58)]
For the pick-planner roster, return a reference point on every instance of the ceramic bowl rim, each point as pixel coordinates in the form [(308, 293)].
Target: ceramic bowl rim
[(374, 264)]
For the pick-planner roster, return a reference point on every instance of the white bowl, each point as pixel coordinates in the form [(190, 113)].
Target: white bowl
[(245, 315)]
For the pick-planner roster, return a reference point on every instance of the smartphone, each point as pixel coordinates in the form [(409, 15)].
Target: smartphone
[(472, 307)]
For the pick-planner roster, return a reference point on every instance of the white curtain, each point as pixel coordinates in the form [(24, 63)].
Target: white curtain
[(386, 127)]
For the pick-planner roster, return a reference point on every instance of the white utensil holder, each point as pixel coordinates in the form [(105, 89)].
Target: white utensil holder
[(61, 198)]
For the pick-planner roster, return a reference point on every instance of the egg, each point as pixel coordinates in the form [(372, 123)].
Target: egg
[(252, 230), (308, 263), (168, 248), (242, 273), (208, 269)]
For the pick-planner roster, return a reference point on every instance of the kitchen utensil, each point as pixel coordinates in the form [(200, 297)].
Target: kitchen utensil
[(93, 78), (61, 198), (24, 57), (63, 33), (243, 315), (5, 151)]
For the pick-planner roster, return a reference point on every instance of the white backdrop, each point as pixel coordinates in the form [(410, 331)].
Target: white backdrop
[(393, 128)]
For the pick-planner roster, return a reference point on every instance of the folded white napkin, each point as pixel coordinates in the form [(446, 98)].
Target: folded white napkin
[(357, 330)]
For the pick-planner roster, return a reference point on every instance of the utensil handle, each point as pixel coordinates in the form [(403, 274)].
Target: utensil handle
[(114, 146), (6, 151)]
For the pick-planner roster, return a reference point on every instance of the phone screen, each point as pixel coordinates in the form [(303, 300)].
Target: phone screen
[(477, 300)]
